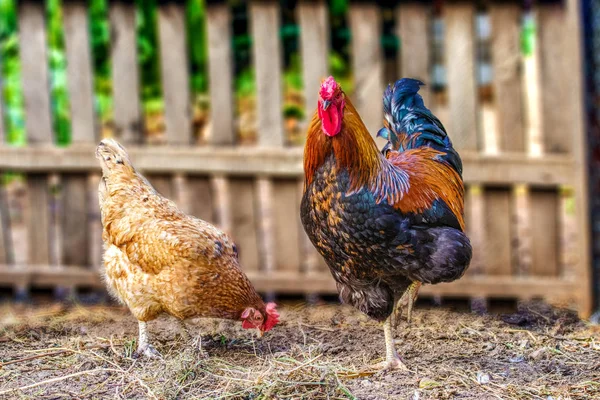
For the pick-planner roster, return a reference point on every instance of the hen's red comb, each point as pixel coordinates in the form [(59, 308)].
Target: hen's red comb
[(272, 317), (328, 88)]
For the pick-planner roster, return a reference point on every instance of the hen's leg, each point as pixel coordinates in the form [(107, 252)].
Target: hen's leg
[(144, 347), (392, 359), (185, 333), (183, 330)]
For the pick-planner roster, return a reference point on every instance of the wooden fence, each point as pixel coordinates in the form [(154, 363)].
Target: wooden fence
[(523, 148)]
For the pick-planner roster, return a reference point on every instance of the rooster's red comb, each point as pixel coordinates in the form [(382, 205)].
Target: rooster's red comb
[(328, 88)]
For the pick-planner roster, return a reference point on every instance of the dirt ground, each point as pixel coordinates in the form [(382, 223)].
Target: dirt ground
[(317, 352)]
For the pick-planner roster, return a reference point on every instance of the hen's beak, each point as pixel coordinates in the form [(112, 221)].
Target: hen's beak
[(326, 104), (259, 332)]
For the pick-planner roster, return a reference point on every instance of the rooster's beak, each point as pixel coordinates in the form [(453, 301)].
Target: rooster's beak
[(326, 104), (259, 333)]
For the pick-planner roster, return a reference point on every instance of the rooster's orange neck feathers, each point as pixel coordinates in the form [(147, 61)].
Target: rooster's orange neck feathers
[(353, 148)]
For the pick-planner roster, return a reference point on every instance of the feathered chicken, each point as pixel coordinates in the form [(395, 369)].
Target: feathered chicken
[(385, 222), (159, 260)]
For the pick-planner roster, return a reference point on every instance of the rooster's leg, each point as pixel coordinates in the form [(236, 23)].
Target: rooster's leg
[(144, 347), (409, 297), (392, 359)]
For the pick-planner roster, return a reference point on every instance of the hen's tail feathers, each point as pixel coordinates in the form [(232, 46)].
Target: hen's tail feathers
[(412, 125)]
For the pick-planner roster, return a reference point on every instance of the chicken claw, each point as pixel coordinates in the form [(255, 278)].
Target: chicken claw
[(392, 359), (196, 342), (407, 300), (144, 347), (147, 350)]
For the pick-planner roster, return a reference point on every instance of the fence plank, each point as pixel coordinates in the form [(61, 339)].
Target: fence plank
[(34, 72), (266, 47), (244, 223), (314, 42), (545, 236), (574, 101), (175, 72), (287, 226), (6, 244), (75, 206), (367, 63), (460, 59), (506, 55), (125, 75), (266, 224), (475, 210), (181, 193), (201, 198), (218, 19), (413, 30), (94, 222), (554, 68), (79, 71), (163, 185), (222, 203), (39, 219), (498, 232), (522, 230)]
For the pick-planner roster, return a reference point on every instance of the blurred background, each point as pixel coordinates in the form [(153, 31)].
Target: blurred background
[(213, 99)]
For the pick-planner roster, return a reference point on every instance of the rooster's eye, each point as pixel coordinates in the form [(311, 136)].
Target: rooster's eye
[(235, 250)]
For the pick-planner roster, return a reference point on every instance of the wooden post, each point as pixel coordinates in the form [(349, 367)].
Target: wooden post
[(38, 125), (125, 76), (34, 72), (79, 72), (94, 224), (523, 257), (222, 203), (555, 86), (574, 101), (506, 55), (460, 59), (220, 65), (314, 42), (412, 28), (175, 72), (367, 63), (264, 22)]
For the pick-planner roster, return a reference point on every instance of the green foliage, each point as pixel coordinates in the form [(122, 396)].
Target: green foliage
[(148, 59), (11, 75), (59, 93), (197, 39), (100, 43)]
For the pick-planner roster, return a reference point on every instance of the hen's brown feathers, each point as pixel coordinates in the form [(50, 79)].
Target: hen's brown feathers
[(159, 259)]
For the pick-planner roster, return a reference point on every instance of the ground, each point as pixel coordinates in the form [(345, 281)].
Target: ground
[(318, 352)]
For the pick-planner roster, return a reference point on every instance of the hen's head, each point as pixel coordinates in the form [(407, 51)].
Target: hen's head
[(263, 320), (113, 157), (331, 106)]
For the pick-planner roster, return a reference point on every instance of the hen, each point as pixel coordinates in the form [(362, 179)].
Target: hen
[(159, 260), (384, 222)]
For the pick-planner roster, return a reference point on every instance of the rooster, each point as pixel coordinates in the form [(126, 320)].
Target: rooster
[(159, 260), (384, 221)]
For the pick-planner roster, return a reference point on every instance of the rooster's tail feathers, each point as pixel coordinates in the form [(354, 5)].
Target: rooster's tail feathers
[(411, 125)]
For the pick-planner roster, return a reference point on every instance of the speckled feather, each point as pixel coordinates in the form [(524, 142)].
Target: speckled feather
[(381, 223), (158, 259)]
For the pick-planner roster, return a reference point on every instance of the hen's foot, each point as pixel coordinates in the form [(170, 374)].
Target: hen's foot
[(197, 346), (147, 350)]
